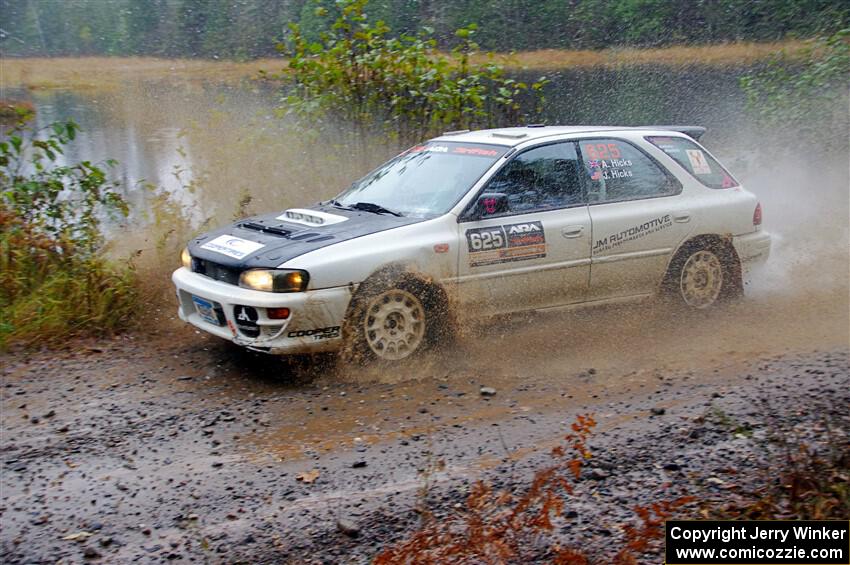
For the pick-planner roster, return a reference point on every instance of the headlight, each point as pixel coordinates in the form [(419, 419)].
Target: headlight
[(274, 280), (186, 258)]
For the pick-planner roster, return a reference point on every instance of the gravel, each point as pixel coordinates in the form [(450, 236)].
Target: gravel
[(157, 467)]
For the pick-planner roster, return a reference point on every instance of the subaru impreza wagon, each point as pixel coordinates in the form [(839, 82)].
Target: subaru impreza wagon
[(475, 224)]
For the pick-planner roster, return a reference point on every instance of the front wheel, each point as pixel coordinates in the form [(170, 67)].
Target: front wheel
[(389, 325)]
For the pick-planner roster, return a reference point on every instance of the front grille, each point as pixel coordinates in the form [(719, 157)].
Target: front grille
[(216, 271), (246, 320)]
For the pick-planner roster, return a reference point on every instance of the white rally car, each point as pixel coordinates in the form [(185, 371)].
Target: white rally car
[(476, 224)]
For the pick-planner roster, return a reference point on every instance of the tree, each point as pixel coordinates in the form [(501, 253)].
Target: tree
[(360, 75), (806, 100)]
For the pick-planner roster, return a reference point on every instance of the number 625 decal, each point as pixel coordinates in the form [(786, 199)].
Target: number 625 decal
[(485, 239)]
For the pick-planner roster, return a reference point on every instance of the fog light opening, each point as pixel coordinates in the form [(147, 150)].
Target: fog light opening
[(277, 313)]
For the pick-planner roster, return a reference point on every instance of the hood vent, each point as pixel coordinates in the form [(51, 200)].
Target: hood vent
[(301, 236), (265, 229)]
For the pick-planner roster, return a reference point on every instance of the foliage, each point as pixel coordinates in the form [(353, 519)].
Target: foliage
[(62, 201), (807, 100), (501, 527), (359, 74), (811, 486), (250, 28), (55, 280), (13, 111), (807, 481)]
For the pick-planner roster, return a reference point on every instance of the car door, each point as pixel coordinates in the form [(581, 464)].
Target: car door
[(639, 217), (525, 239)]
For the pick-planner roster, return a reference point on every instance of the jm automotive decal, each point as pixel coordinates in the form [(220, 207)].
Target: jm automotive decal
[(502, 244), (615, 240)]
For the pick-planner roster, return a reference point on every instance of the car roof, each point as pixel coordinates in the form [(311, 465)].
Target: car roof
[(515, 135)]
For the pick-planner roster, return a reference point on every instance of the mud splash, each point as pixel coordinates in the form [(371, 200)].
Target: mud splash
[(220, 151)]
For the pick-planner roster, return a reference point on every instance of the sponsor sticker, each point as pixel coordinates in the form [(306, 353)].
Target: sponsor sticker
[(615, 240), (430, 149), (232, 246), (312, 218), (476, 151), (455, 149), (698, 162), (317, 334), (506, 243)]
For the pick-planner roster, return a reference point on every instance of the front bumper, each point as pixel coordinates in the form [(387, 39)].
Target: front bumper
[(752, 248), (314, 323)]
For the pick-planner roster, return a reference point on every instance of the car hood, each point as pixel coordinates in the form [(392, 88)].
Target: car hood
[(270, 240)]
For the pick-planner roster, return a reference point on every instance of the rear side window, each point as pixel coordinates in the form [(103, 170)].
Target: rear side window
[(618, 171), (695, 160)]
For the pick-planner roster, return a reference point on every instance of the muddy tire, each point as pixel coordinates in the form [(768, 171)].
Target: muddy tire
[(387, 323), (701, 276)]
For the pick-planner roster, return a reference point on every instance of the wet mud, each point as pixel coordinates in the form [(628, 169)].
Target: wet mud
[(180, 447)]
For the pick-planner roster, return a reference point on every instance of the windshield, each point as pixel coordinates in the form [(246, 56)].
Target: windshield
[(424, 181)]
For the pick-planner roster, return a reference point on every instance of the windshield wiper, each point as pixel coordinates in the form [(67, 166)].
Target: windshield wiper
[(374, 208), (337, 204)]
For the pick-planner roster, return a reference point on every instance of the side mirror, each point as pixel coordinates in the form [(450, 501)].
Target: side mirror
[(489, 204)]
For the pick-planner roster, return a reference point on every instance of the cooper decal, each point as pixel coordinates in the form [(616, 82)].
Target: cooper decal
[(318, 334), (615, 240), (503, 244), (232, 246)]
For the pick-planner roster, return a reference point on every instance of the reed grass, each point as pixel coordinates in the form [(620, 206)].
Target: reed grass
[(82, 73)]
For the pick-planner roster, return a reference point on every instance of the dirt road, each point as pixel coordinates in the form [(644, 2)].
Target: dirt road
[(178, 447)]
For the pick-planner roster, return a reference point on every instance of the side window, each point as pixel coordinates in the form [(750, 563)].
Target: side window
[(693, 159), (617, 170), (543, 178)]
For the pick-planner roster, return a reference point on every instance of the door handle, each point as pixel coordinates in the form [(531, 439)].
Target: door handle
[(682, 217), (572, 232)]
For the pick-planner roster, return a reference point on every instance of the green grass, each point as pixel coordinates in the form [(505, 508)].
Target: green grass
[(49, 293)]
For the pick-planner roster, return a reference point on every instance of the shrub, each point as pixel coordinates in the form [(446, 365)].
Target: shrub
[(808, 477), (804, 97), (56, 281), (401, 87), (502, 527)]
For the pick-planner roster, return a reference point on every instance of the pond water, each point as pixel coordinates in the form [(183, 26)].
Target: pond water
[(219, 151), (209, 145)]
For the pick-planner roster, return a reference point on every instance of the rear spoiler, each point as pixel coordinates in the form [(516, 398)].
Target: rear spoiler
[(695, 132)]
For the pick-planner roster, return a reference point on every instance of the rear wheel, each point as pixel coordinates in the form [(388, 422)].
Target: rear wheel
[(703, 273), (701, 279)]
